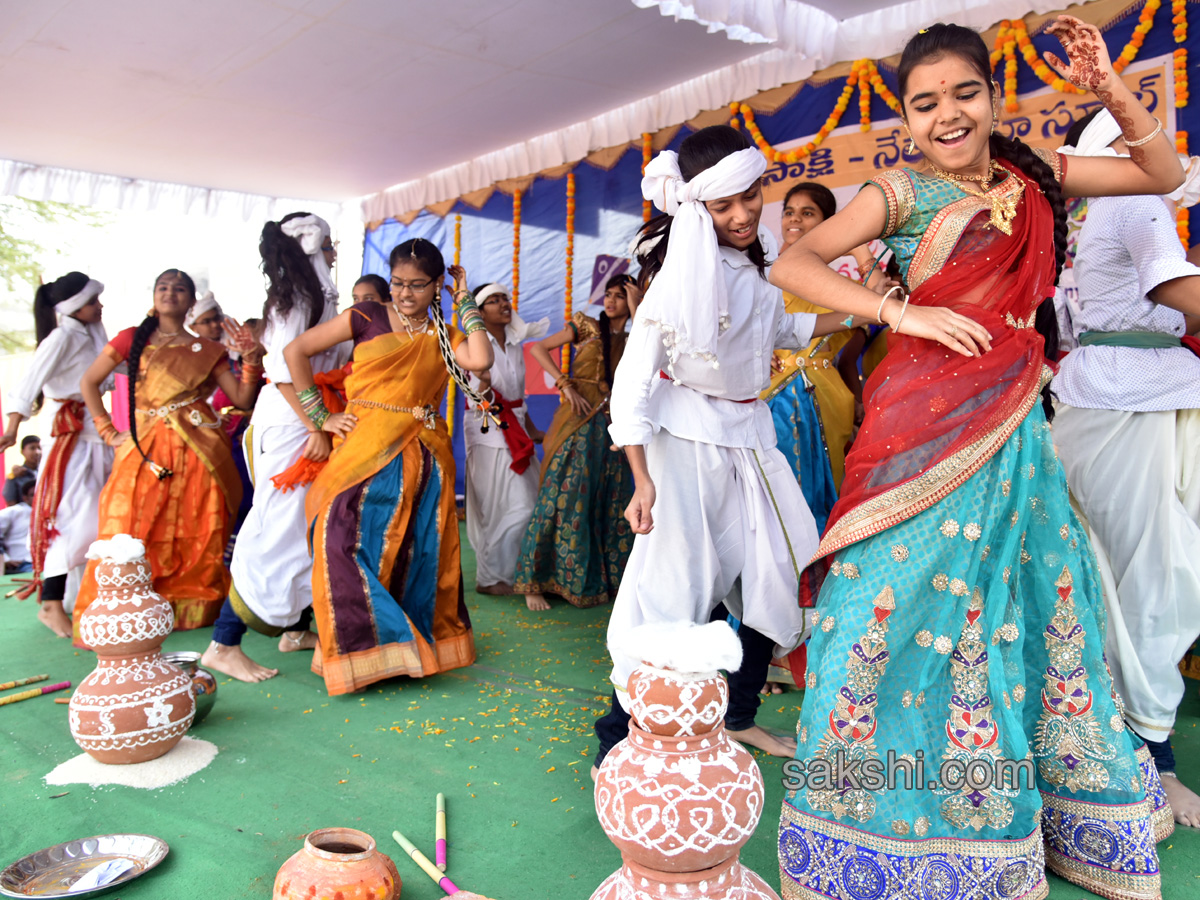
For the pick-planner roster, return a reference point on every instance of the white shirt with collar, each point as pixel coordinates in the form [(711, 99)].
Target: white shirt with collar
[(1127, 247), (14, 532), (57, 366), (704, 405), (508, 377)]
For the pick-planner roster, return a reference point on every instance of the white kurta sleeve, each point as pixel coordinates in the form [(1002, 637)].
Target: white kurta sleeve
[(793, 331), (635, 378), (284, 330), (47, 359)]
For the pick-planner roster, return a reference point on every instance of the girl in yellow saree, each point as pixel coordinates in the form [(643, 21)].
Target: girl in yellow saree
[(387, 579)]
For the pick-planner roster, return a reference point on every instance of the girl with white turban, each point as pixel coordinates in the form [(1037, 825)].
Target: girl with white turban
[(272, 571), (70, 335)]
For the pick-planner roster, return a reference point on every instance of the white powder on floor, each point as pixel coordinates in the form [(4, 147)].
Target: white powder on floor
[(186, 758)]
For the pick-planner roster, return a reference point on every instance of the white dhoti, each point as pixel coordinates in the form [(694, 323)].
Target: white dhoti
[(724, 517), (271, 567), (499, 503), (1136, 476), (78, 516)]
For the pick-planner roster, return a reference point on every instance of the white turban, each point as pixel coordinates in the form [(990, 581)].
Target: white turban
[(73, 304), (517, 331), (205, 304), (1103, 130), (687, 299), (311, 232)]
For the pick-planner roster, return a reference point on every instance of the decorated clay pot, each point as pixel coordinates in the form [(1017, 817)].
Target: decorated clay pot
[(337, 863), (134, 706), (679, 804), (204, 684), (677, 796), (728, 881)]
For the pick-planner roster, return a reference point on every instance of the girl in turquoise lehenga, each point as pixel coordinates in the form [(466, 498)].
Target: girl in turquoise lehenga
[(960, 621)]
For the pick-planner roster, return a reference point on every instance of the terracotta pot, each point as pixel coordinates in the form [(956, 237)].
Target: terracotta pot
[(668, 704), (337, 864), (130, 710), (728, 881), (679, 804), (134, 706), (126, 617)]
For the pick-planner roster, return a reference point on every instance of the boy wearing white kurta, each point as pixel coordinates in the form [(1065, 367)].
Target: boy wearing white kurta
[(730, 524), (499, 499)]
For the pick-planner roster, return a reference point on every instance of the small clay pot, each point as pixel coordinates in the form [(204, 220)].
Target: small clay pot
[(668, 704), (337, 864)]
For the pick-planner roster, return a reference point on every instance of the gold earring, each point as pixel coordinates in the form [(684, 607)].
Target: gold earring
[(912, 145)]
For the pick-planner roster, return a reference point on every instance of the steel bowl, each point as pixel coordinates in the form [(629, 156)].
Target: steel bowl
[(204, 685), (52, 872)]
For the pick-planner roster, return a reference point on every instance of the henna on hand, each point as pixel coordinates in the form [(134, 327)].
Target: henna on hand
[(1088, 63)]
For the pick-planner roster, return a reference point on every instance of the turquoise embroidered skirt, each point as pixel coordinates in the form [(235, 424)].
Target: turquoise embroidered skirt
[(967, 642), (800, 439)]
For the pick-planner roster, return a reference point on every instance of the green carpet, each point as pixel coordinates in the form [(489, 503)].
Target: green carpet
[(509, 741)]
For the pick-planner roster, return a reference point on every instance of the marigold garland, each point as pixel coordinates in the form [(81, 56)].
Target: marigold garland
[(647, 151), (1011, 37), (516, 247), (569, 288), (864, 98), (1182, 219)]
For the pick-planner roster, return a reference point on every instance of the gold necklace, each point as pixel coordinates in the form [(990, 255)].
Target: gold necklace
[(1004, 207), (413, 327)]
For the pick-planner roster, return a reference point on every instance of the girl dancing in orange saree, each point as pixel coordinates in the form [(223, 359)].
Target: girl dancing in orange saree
[(174, 484)]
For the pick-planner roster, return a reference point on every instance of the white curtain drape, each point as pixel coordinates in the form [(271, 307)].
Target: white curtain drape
[(115, 192), (805, 39)]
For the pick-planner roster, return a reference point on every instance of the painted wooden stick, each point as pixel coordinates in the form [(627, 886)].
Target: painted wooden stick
[(20, 681), (439, 852), (426, 866), (36, 692)]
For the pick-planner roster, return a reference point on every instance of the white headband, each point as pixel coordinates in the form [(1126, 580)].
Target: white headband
[(200, 307), (73, 304), (1103, 130), (1094, 140), (687, 299), (310, 232), (489, 291)]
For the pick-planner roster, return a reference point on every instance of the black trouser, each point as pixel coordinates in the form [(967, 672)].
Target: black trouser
[(229, 629), (1164, 756), (744, 687), (54, 587)]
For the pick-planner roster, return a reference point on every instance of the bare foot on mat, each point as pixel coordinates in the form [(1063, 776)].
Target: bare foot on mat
[(536, 602), (291, 641), (50, 613), (771, 687), (595, 772), (499, 589), (1184, 802), (768, 742), (234, 662)]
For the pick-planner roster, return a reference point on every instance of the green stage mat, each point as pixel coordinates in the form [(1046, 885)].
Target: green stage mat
[(509, 741)]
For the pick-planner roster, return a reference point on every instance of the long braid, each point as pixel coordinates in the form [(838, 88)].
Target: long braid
[(606, 347), (140, 338), (1022, 156)]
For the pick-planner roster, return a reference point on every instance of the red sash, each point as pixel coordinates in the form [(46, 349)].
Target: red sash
[(68, 424), (520, 444)]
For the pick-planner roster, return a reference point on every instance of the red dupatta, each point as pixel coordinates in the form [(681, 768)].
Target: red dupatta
[(933, 417)]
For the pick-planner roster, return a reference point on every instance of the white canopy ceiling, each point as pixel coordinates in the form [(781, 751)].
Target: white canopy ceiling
[(333, 99)]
